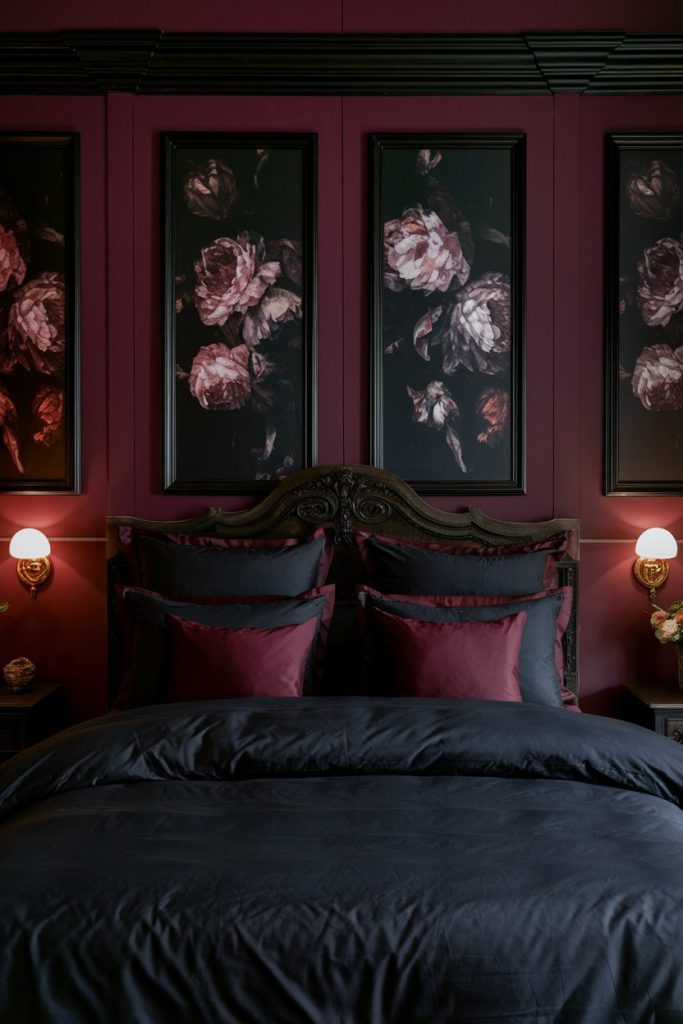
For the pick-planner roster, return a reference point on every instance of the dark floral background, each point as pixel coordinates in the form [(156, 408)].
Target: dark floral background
[(650, 319), (447, 337), (34, 334), (239, 268)]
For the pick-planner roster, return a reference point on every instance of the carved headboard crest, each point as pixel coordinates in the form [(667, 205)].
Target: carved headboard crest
[(344, 497)]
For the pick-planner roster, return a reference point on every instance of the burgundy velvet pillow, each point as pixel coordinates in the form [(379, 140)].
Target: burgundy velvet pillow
[(466, 660), (210, 662)]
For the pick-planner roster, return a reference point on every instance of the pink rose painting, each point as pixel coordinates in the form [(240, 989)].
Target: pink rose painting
[(644, 413), (446, 293), (658, 378), (479, 334), (239, 328), (231, 277), (420, 254), (35, 333), (219, 378), (12, 265), (38, 342), (660, 289)]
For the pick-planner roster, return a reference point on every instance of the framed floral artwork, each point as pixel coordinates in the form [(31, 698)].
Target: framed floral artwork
[(447, 310), (644, 314), (39, 315), (239, 310)]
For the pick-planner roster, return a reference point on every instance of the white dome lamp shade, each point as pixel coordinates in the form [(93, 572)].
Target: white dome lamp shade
[(653, 548), (32, 549)]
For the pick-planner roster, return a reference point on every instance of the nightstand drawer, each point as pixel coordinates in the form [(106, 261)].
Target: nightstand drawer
[(657, 707), (673, 728), (26, 718), (12, 733)]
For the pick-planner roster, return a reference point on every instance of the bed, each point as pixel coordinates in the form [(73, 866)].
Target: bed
[(354, 855)]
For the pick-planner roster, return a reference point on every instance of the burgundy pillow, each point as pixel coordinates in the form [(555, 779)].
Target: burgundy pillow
[(570, 702), (542, 654), (142, 614), (210, 662), (466, 660), (129, 539)]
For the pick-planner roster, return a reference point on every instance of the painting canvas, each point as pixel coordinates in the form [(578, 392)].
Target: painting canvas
[(39, 323), (447, 330), (239, 306), (644, 289)]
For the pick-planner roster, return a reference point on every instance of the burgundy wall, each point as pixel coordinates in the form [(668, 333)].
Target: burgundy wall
[(345, 16), (64, 630)]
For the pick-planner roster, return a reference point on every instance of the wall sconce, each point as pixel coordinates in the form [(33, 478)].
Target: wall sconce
[(32, 548), (653, 547)]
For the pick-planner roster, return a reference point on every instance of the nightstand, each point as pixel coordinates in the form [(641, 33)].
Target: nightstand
[(657, 707), (26, 718)]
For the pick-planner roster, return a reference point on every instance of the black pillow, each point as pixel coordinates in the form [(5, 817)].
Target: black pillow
[(184, 570), (407, 569)]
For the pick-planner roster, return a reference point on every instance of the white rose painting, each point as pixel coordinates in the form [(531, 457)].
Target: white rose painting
[(447, 311)]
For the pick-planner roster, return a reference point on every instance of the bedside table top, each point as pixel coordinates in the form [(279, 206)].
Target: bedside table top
[(657, 696), (38, 692)]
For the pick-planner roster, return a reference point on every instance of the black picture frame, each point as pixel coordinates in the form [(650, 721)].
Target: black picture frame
[(40, 313), (643, 314), (233, 220), (473, 182)]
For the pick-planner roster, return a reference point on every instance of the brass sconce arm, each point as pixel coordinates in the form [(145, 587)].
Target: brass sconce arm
[(651, 568), (33, 573), (651, 573)]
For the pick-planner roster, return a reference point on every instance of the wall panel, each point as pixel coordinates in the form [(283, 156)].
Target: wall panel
[(63, 630), (523, 16), (532, 115), (616, 637), (75, 514), (174, 16), (281, 114)]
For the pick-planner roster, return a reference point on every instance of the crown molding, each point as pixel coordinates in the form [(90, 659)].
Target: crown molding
[(152, 62), (572, 62)]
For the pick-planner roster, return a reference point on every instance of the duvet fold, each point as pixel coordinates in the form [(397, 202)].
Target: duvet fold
[(240, 739)]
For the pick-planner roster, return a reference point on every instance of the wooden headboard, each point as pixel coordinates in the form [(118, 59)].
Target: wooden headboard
[(348, 498)]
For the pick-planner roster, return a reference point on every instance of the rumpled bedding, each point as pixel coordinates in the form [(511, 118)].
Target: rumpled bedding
[(343, 861)]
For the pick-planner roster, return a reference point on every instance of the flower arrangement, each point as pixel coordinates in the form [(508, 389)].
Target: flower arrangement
[(668, 624)]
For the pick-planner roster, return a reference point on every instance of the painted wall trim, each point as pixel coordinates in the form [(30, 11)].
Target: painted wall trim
[(71, 540), (153, 62)]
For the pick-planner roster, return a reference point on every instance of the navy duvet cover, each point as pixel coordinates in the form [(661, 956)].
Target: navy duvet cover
[(343, 861)]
